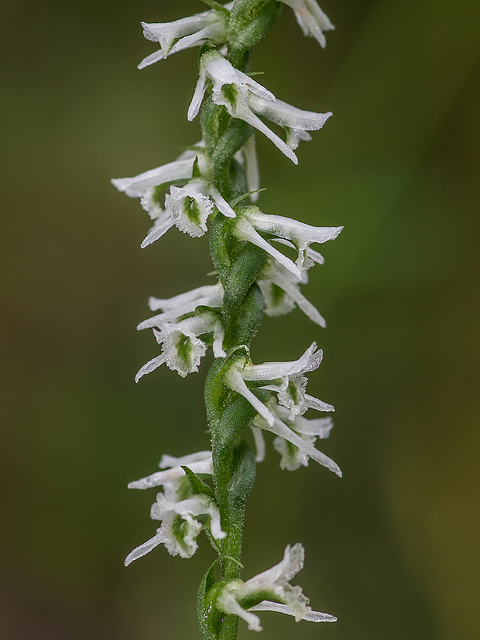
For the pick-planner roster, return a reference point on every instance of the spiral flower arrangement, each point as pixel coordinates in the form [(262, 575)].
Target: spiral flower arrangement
[(213, 188)]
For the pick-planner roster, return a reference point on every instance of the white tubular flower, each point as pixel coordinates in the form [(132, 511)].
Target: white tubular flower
[(185, 33), (172, 477), (222, 73), (246, 99), (174, 308), (180, 528), (188, 208), (242, 598), (182, 348), (240, 372), (281, 292), (252, 223), (290, 389), (312, 20)]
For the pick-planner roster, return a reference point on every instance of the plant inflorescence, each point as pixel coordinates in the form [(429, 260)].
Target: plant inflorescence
[(213, 187)]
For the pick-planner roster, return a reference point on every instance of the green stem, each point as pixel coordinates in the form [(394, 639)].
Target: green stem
[(238, 265)]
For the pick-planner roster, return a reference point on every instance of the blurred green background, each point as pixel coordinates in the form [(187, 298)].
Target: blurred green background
[(393, 548)]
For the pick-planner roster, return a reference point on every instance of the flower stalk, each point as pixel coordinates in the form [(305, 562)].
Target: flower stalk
[(213, 188)]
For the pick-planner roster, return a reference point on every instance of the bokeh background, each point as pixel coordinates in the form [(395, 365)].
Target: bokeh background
[(393, 548)]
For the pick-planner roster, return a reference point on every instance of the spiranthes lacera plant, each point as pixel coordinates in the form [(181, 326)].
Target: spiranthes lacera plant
[(213, 188)]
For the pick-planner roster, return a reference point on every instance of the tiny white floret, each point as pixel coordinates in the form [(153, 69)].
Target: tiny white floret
[(236, 597)]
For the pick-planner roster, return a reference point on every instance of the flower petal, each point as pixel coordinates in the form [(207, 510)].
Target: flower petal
[(150, 366), (144, 548), (235, 381), (311, 616), (309, 361)]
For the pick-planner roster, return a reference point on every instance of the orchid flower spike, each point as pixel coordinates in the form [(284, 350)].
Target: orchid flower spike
[(180, 526), (243, 598), (246, 99), (311, 19), (281, 292), (288, 389), (252, 222), (182, 347), (185, 33), (172, 477)]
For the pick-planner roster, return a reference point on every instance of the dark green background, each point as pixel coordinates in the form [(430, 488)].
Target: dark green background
[(392, 549)]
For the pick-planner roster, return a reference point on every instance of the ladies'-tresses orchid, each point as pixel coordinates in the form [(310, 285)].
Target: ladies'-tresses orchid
[(312, 20), (246, 99), (251, 223), (180, 526), (182, 347), (287, 390), (243, 598), (189, 193), (186, 33), (186, 207)]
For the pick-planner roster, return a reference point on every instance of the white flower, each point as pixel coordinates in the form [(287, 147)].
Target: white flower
[(242, 598), (289, 386), (252, 223), (185, 33), (246, 99), (177, 306), (280, 289), (172, 477), (312, 20), (180, 527), (188, 208), (182, 348)]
